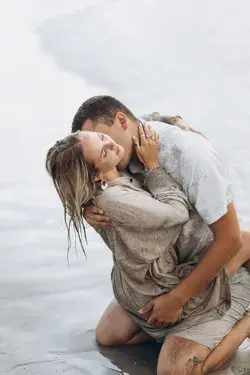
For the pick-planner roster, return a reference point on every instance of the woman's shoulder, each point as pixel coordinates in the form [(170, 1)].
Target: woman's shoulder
[(108, 199), (119, 193)]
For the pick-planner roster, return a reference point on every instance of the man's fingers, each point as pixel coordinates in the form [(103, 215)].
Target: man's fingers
[(95, 211), (152, 321), (146, 308), (98, 218), (98, 221), (88, 210), (99, 224)]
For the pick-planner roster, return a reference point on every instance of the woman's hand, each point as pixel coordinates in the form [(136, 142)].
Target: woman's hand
[(147, 147), (177, 121)]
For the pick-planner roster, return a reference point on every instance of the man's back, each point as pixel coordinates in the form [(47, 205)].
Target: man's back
[(192, 161)]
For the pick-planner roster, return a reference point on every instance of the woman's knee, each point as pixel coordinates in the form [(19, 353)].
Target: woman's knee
[(104, 338), (112, 337), (115, 327)]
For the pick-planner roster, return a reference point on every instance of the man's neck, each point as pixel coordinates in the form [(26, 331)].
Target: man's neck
[(134, 126), (134, 129)]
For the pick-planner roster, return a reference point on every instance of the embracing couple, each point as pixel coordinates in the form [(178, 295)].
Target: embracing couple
[(160, 197)]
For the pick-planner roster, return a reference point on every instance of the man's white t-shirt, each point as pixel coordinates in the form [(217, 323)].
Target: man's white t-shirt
[(192, 161)]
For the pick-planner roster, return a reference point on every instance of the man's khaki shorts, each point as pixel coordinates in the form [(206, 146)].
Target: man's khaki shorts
[(209, 328)]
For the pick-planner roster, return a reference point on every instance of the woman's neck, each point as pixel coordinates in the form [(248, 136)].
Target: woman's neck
[(111, 175)]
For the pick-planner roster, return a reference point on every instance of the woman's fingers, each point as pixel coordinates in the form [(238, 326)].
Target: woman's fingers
[(136, 141), (147, 131), (152, 132), (142, 133)]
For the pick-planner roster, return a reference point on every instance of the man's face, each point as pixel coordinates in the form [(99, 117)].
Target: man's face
[(119, 132)]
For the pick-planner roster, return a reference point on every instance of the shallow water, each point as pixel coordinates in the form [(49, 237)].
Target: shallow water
[(190, 58)]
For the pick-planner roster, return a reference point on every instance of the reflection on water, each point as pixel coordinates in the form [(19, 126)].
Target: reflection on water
[(176, 57)]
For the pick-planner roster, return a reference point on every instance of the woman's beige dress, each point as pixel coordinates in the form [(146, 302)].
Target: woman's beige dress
[(152, 230)]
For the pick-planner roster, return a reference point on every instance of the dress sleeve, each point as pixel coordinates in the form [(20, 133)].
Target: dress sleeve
[(156, 116), (129, 207)]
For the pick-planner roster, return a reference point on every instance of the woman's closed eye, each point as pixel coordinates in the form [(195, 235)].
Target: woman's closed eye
[(101, 136), (104, 153)]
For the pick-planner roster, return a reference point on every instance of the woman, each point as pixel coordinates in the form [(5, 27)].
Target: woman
[(149, 228)]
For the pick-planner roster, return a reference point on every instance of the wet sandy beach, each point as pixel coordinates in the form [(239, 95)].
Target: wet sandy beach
[(189, 58)]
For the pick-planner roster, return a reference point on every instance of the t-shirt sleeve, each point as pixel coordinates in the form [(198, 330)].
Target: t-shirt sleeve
[(207, 181)]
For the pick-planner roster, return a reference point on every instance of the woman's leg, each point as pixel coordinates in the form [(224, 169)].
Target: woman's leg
[(242, 257), (117, 328)]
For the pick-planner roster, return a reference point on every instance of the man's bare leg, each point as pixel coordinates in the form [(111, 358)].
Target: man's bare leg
[(180, 356), (117, 328), (227, 347)]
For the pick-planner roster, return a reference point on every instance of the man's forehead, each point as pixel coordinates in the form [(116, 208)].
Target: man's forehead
[(89, 125)]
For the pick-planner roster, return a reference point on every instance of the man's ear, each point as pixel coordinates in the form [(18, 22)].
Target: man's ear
[(98, 177), (122, 119)]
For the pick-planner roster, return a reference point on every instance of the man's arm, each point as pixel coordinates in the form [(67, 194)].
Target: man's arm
[(209, 191), (227, 242)]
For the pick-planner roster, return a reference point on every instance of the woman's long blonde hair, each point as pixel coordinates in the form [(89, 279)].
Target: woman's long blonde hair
[(73, 179)]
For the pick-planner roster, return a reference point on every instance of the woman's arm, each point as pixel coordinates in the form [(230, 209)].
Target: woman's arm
[(171, 120), (165, 189), (132, 208), (156, 116)]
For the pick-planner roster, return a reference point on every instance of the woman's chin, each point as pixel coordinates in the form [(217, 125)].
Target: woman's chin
[(120, 155), (121, 152)]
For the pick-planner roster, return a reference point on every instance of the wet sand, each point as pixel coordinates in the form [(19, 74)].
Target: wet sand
[(191, 58)]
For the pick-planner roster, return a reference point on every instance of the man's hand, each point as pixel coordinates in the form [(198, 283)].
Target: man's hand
[(95, 218), (227, 242), (164, 309)]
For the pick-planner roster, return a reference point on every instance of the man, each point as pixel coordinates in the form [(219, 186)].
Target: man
[(194, 164)]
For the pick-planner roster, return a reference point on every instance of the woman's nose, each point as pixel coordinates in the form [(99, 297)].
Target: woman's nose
[(111, 146)]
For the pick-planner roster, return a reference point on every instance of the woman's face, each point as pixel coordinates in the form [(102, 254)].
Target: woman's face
[(100, 150)]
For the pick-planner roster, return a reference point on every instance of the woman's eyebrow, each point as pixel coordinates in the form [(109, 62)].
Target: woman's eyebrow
[(99, 135)]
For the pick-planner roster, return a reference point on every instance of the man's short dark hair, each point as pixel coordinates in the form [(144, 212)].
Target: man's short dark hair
[(100, 108)]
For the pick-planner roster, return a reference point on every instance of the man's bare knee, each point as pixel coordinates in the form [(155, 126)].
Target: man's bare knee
[(181, 356)]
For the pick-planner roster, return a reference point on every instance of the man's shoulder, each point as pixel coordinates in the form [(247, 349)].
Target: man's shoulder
[(179, 147), (175, 140)]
